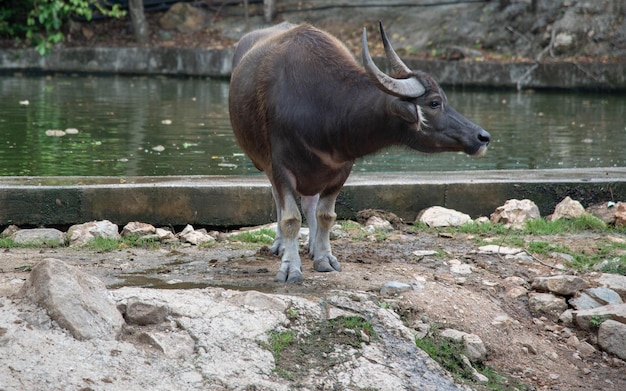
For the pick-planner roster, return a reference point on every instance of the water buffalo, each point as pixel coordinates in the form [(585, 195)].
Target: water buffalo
[(303, 110)]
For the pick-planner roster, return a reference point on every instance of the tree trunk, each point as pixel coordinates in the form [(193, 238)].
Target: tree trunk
[(140, 25), (270, 10)]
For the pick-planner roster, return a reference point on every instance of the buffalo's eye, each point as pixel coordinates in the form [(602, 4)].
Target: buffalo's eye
[(435, 104)]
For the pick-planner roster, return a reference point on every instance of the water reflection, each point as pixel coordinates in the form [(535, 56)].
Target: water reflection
[(166, 126)]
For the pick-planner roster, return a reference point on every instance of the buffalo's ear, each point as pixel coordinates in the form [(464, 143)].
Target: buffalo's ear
[(405, 110)]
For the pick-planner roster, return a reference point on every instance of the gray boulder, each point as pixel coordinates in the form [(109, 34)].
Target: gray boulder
[(77, 301)]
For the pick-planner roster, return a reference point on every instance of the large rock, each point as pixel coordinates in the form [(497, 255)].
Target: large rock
[(620, 214), (589, 319), (568, 209), (80, 234), (75, 300), (39, 236), (561, 285), (514, 213), (437, 216), (615, 282), (594, 298), (546, 304), (604, 211), (135, 228), (183, 17), (612, 338)]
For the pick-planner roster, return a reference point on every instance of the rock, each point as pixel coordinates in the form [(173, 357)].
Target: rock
[(615, 282), (165, 235), (479, 377), (568, 209), (561, 285), (9, 231), (595, 297), (546, 304), (459, 267), (189, 235), (172, 344), (183, 17), (144, 313), (502, 250), (136, 228), (620, 214), (77, 301), (474, 347), (39, 236), (437, 216), (260, 300), (590, 318), (514, 213), (604, 211), (378, 224), (393, 288), (424, 253), (567, 318), (612, 338), (80, 234)]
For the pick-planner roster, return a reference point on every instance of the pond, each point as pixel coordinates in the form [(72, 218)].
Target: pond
[(67, 125)]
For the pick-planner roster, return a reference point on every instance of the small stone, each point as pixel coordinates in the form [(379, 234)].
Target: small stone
[(393, 288), (378, 224), (496, 249), (438, 216), (462, 268), (144, 313)]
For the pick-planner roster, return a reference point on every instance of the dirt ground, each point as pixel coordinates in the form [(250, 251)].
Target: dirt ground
[(534, 352)]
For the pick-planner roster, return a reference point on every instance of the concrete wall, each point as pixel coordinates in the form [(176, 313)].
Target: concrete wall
[(217, 63), (247, 201)]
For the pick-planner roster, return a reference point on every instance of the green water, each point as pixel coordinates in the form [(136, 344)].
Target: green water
[(139, 126)]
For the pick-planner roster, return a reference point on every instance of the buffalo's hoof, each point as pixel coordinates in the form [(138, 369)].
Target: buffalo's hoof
[(290, 276), (327, 264)]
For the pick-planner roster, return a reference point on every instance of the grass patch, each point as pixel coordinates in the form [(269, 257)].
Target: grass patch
[(326, 345), (448, 354), (7, 243), (263, 236), (109, 244)]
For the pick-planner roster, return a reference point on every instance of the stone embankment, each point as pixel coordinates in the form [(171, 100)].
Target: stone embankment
[(63, 328)]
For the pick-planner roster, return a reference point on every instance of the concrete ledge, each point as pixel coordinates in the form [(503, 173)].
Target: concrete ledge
[(244, 201), (137, 60), (217, 63)]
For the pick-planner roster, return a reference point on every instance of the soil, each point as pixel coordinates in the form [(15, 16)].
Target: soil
[(527, 350)]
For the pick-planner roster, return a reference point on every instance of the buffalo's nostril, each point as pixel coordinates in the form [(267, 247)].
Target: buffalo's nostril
[(484, 137)]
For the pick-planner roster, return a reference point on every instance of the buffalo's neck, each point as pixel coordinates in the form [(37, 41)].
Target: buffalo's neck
[(369, 128)]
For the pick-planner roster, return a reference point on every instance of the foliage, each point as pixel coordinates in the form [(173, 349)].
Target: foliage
[(41, 22)]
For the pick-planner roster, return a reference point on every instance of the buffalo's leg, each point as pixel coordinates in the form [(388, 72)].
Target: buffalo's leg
[(309, 207), (323, 259), (290, 221), (278, 247)]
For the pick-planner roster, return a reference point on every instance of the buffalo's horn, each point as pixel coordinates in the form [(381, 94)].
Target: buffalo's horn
[(398, 67), (404, 88)]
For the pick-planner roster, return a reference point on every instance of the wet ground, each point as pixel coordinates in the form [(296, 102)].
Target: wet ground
[(531, 351)]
